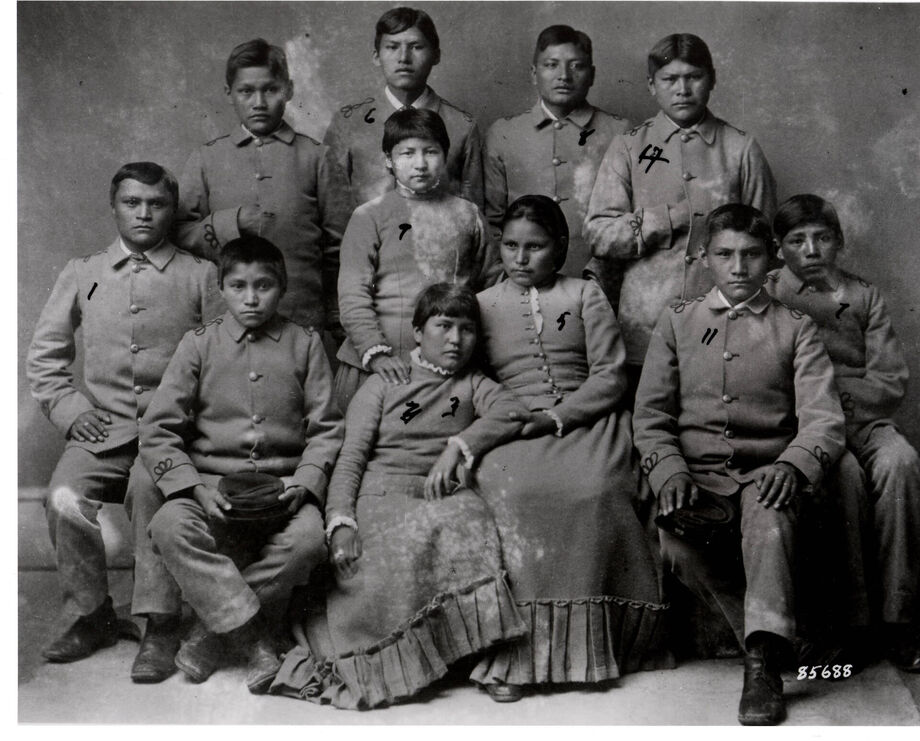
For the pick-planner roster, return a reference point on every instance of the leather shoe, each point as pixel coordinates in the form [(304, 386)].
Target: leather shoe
[(156, 657), (253, 640), (201, 653), (87, 635), (502, 692), (762, 701)]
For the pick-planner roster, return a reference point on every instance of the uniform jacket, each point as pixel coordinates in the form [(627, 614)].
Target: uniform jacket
[(303, 214), (533, 154), (559, 349), (654, 189), (355, 139), (725, 392), (234, 399), (854, 325), (385, 266), (133, 314)]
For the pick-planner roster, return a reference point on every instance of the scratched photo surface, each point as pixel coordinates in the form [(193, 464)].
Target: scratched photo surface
[(830, 91)]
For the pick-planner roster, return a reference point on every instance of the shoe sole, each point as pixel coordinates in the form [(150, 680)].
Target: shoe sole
[(55, 658), (152, 677)]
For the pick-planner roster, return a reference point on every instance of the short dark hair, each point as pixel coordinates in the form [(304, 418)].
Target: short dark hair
[(414, 123), (805, 208), (682, 46), (257, 53), (545, 213), (559, 34), (246, 250), (148, 173), (446, 299), (397, 20), (739, 217)]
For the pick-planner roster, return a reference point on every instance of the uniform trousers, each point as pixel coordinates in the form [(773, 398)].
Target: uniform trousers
[(227, 571), (81, 482), (756, 594)]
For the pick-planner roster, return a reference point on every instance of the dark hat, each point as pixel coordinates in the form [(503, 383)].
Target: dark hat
[(253, 496), (710, 520)]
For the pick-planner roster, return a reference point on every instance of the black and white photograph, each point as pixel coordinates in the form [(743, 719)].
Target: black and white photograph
[(468, 363)]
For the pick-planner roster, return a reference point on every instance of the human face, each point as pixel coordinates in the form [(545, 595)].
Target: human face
[(738, 262), (447, 341), (810, 251), (251, 293), (259, 98), (406, 59), (562, 74), (528, 253), (417, 163), (682, 91), (143, 213)]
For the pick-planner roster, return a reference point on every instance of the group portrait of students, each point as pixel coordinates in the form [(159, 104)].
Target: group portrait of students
[(415, 394)]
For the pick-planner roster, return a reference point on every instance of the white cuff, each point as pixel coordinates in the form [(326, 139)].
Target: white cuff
[(339, 521), (555, 417), (372, 351), (464, 448)]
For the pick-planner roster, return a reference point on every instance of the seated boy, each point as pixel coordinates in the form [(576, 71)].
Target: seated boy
[(658, 182), (555, 148), (406, 47), (737, 400), (265, 179), (244, 393), (871, 375), (133, 301)]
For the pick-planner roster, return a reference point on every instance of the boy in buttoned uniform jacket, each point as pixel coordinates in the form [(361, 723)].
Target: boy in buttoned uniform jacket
[(657, 183), (133, 301), (249, 392), (266, 179), (406, 47), (555, 147), (737, 398), (871, 373)]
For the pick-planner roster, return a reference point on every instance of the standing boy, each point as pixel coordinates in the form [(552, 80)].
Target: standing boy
[(658, 182), (737, 401), (265, 179), (259, 389), (555, 148), (872, 378), (133, 301), (406, 47)]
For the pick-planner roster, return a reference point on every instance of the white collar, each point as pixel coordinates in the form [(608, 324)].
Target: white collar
[(419, 102), (417, 358), (547, 111), (742, 305)]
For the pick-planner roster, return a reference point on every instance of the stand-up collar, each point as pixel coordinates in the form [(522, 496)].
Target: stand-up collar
[(283, 133), (272, 328), (756, 303), (542, 116), (705, 128), (158, 256)]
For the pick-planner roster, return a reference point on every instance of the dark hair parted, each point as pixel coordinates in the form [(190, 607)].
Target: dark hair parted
[(246, 250), (446, 299), (402, 19), (148, 173), (738, 217), (684, 47), (805, 208), (556, 35), (257, 53), (545, 213), (414, 123)]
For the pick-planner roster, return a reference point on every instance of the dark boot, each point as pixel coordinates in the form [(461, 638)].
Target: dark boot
[(156, 657), (87, 635), (762, 696), (201, 654), (902, 646), (253, 640)]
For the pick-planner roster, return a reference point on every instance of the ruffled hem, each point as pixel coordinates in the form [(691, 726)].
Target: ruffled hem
[(582, 640), (453, 625)]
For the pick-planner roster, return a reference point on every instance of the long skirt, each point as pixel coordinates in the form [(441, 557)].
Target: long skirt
[(429, 590), (580, 564)]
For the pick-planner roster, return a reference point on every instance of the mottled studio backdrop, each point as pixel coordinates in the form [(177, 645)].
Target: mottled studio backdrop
[(830, 91)]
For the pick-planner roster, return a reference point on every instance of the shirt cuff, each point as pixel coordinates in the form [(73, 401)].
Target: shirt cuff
[(555, 417), (659, 469), (812, 464), (312, 478), (339, 521), (226, 225), (174, 480), (469, 460)]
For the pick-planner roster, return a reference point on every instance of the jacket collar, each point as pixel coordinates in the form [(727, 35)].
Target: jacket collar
[(757, 305), (158, 256), (272, 328), (706, 128), (283, 133), (581, 116), (427, 99)]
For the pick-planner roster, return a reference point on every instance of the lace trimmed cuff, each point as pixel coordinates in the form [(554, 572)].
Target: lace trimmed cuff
[(339, 521), (555, 417), (371, 352)]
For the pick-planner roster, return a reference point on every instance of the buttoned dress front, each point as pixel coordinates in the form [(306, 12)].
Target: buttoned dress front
[(535, 153), (132, 310), (654, 189), (580, 566), (232, 400)]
